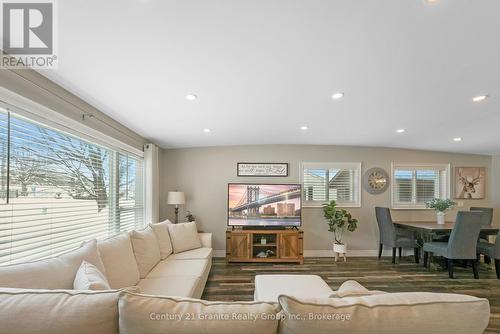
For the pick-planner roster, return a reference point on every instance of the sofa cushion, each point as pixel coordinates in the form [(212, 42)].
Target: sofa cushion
[(352, 288), (164, 243), (151, 314), (119, 261), (146, 250), (184, 236), (391, 313), (179, 286), (58, 311), (193, 254), (165, 268), (88, 277), (53, 273)]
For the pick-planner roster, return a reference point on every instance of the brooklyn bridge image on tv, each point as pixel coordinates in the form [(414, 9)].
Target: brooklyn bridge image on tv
[(273, 205)]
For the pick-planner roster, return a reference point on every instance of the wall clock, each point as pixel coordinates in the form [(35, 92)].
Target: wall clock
[(376, 181)]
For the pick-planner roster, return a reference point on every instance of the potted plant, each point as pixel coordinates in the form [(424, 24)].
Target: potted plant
[(338, 221), (441, 206)]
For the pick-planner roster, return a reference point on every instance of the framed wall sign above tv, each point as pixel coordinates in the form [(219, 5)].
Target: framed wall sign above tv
[(270, 169)]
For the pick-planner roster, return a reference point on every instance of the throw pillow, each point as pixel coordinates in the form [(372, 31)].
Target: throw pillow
[(88, 277), (352, 288), (146, 250), (184, 237), (118, 258), (164, 243)]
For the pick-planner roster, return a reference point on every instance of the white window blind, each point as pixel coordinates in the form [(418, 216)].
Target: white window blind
[(415, 184), (57, 190), (323, 182)]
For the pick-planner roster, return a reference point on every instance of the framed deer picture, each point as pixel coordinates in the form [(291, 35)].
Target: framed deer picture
[(470, 182)]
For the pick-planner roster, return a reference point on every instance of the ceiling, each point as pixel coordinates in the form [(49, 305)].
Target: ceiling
[(263, 69)]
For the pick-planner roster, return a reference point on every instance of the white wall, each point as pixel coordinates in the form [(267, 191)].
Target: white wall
[(35, 87), (203, 174)]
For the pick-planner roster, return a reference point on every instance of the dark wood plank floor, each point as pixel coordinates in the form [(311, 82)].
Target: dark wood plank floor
[(231, 282)]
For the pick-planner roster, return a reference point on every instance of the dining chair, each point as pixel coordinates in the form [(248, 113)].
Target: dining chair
[(462, 243), (487, 217), (487, 220), (492, 251), (393, 237)]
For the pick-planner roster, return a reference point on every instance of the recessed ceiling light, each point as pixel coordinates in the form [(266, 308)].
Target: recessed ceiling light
[(337, 96), (400, 130), (431, 1), (457, 139), (479, 98), (304, 127), (191, 97), (207, 130)]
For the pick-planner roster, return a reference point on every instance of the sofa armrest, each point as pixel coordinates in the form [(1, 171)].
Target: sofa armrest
[(206, 239)]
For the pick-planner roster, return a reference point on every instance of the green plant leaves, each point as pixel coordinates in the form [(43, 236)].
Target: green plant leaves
[(338, 220)]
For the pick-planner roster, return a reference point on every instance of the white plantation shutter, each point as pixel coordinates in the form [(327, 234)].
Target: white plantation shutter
[(415, 184), (62, 190), (323, 182)]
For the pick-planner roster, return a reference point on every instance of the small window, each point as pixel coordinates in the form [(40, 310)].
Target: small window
[(325, 181), (415, 184)]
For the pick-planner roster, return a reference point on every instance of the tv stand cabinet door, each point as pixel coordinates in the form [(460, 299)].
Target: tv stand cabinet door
[(240, 246), (289, 246)]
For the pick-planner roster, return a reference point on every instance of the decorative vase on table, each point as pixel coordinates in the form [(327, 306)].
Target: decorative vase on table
[(441, 206), (440, 217)]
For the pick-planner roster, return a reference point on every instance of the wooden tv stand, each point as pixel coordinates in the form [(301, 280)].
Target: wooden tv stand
[(281, 245)]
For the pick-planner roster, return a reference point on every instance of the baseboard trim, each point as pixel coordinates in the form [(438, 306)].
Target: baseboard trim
[(219, 253), (329, 253)]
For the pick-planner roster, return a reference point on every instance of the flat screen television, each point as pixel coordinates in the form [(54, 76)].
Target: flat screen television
[(264, 205)]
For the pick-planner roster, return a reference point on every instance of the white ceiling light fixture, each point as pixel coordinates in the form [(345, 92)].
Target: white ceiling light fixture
[(431, 1), (207, 130), (304, 127), (457, 139), (479, 98), (400, 130), (191, 97), (337, 96)]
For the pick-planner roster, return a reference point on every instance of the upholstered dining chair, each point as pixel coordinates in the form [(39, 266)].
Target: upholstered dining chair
[(487, 218), (462, 243), (392, 237), (492, 251)]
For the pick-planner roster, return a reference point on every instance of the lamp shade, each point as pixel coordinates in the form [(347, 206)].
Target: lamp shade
[(176, 197)]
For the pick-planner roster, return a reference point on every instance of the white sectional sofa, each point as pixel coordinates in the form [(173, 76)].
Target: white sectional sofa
[(182, 274), (154, 285)]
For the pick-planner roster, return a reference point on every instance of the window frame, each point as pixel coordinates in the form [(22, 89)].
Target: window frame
[(357, 166), (446, 167), (115, 208)]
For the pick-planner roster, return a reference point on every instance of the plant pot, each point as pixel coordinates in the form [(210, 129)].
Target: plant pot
[(339, 250), (440, 217)]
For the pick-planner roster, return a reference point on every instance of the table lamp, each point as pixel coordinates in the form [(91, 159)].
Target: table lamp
[(176, 198)]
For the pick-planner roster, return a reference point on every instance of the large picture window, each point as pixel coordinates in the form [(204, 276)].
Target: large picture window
[(415, 184), (57, 190), (323, 182)]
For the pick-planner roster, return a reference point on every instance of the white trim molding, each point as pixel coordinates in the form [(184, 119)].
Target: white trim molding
[(329, 253)]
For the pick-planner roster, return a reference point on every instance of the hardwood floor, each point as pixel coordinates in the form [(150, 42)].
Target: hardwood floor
[(235, 281)]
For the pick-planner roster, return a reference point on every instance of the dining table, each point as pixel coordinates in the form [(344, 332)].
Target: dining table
[(427, 231), (433, 228)]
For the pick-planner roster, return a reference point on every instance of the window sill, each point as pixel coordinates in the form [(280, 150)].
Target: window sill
[(320, 205)]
